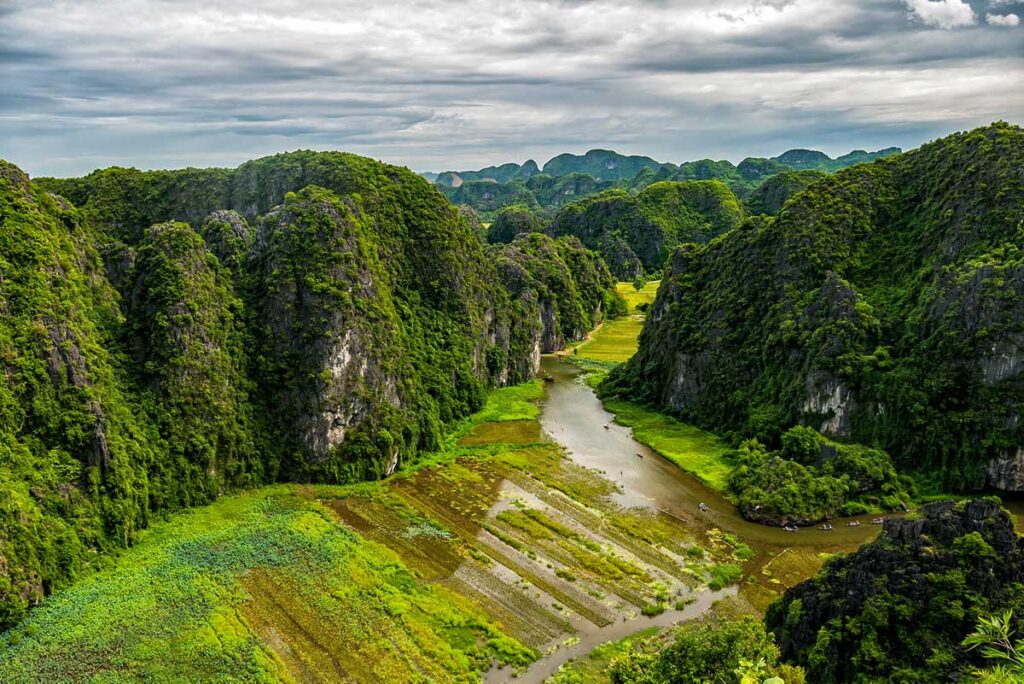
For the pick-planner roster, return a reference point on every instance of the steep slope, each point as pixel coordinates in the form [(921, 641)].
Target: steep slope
[(73, 456), (884, 305), (328, 319), (511, 222), (559, 284), (498, 174), (636, 233), (804, 160), (184, 336), (772, 194), (898, 608)]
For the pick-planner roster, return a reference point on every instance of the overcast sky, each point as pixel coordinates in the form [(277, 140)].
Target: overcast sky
[(461, 84)]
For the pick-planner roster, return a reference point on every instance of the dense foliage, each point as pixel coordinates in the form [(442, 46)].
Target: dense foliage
[(900, 608), (718, 651), (884, 305), (307, 316), (512, 221), (770, 196), (811, 479), (559, 284), (636, 233)]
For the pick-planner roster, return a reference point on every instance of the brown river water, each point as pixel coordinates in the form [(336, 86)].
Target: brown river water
[(573, 416)]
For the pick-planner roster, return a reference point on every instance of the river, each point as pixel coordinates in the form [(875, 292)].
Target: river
[(573, 416)]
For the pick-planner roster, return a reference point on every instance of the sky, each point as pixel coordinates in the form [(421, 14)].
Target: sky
[(440, 85)]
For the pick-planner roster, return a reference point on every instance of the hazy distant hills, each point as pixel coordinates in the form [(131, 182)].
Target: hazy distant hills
[(568, 177)]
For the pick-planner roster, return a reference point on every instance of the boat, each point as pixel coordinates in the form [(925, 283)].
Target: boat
[(877, 521), (826, 527), (853, 523), (791, 528)]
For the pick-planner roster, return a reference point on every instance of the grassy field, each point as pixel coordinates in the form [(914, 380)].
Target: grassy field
[(616, 340), (634, 297), (696, 451), (488, 552)]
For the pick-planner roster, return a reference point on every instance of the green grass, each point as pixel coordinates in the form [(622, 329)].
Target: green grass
[(696, 451), (616, 340), (633, 297), (255, 587)]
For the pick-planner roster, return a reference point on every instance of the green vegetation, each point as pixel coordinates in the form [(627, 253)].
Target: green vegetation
[(636, 233), (699, 453), (329, 319), (881, 306), (359, 581), (512, 221), (771, 195), (718, 651), (594, 666), (260, 586), (811, 479), (901, 607), (568, 177), (558, 285), (995, 637)]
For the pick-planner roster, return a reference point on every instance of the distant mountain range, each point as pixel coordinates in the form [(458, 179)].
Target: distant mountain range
[(604, 165), (568, 177)]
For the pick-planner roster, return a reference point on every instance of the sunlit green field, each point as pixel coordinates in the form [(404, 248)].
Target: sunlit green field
[(616, 340), (694, 450)]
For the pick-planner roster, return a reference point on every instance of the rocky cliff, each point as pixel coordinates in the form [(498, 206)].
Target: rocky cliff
[(882, 305), (304, 317), (898, 608)]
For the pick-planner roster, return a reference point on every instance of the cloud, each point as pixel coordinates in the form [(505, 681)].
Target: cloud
[(1002, 19), (943, 14), (166, 83)]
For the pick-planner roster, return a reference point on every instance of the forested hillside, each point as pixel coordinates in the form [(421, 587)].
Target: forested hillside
[(306, 317), (636, 233), (884, 305)]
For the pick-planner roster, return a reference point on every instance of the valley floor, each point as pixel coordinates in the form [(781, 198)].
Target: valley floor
[(500, 552)]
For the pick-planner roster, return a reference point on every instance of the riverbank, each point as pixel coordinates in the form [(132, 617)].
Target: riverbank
[(495, 555)]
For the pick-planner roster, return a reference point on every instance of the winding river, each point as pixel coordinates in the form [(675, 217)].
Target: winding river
[(574, 416)]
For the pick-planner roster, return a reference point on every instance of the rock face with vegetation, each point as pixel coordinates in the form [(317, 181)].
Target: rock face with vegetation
[(899, 608), (884, 305), (770, 196), (560, 285), (511, 222), (308, 316), (636, 233), (599, 164)]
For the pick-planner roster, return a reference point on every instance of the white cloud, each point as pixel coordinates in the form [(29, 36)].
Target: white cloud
[(1002, 19), (166, 83), (944, 14)]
